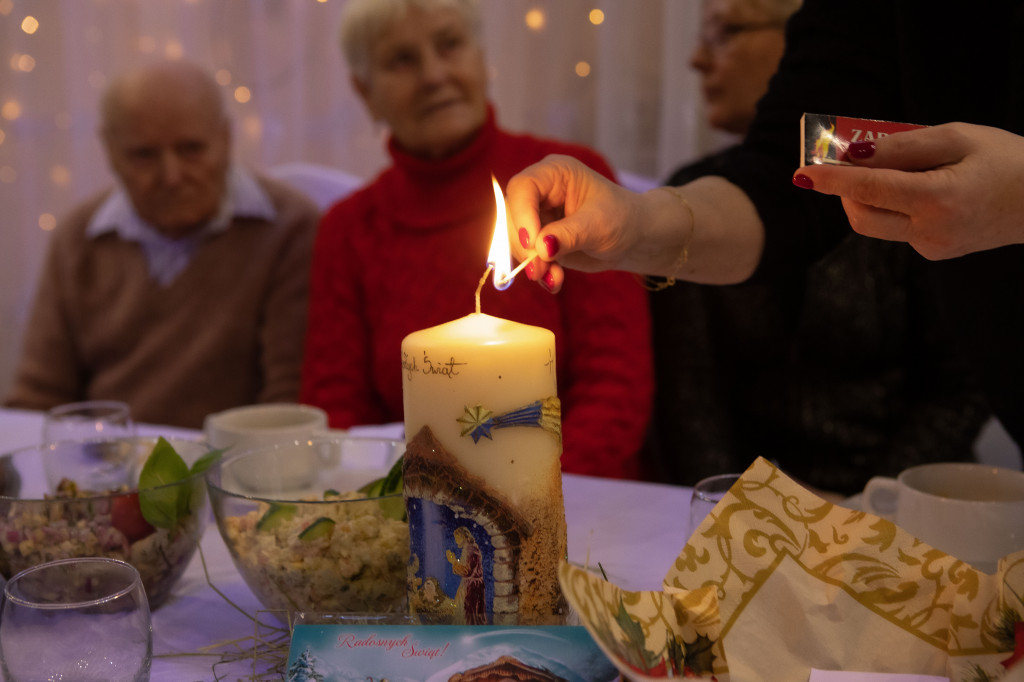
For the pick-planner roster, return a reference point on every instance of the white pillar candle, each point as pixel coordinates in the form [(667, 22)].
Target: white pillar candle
[(485, 388)]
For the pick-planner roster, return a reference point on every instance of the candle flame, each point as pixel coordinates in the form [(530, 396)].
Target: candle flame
[(500, 255)]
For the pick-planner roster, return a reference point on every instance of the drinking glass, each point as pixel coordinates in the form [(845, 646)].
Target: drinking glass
[(706, 494), (97, 466), (76, 619), (88, 421), (91, 443)]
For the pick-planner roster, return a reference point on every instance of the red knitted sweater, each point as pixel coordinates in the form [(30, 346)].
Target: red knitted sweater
[(406, 253)]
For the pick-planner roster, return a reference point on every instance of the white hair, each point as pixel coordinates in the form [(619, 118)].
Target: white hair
[(363, 22)]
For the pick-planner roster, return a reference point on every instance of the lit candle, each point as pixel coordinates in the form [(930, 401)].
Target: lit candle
[(482, 471)]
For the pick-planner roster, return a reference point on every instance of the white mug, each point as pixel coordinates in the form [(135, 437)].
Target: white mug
[(974, 512), (255, 426)]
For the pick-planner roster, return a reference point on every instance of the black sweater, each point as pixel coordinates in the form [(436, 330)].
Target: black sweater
[(900, 60)]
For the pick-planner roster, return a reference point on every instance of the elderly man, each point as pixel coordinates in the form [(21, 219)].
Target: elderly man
[(183, 291)]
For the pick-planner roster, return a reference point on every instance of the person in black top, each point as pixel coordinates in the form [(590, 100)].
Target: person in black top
[(896, 60), (840, 371)]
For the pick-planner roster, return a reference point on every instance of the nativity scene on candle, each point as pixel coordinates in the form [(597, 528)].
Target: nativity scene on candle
[(482, 472)]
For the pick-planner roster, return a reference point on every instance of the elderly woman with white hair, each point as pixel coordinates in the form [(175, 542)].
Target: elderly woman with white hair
[(406, 252)]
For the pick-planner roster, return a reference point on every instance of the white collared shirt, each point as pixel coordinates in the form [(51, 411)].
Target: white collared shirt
[(166, 258)]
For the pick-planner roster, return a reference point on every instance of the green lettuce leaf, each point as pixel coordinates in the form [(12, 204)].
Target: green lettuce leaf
[(164, 507)]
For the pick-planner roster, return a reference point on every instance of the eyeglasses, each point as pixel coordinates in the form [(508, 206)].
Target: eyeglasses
[(717, 35)]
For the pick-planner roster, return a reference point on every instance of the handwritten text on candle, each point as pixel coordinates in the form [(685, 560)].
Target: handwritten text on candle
[(447, 368)]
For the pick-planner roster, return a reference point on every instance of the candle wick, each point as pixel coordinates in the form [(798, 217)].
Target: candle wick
[(481, 285)]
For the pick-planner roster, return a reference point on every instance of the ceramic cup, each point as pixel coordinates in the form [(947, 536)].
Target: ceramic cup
[(255, 426), (974, 512)]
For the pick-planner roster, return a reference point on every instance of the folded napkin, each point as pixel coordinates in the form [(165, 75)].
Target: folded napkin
[(777, 581)]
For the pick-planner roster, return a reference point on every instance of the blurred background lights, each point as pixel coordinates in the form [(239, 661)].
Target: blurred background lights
[(11, 109), (582, 69), (47, 222), (596, 17), (60, 175), (6, 6), (22, 62), (242, 94), (174, 50), (29, 24), (2, 136), (535, 19), (223, 77)]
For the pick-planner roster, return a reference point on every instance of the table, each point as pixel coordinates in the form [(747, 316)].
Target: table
[(634, 530)]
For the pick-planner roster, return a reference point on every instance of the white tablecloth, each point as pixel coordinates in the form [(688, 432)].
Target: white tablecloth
[(634, 530)]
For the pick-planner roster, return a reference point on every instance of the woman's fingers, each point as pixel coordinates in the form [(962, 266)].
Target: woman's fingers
[(947, 191), (912, 150)]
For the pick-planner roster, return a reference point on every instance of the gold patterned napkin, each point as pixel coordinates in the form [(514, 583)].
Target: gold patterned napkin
[(777, 581)]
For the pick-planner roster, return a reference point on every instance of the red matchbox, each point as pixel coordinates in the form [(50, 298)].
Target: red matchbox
[(825, 138)]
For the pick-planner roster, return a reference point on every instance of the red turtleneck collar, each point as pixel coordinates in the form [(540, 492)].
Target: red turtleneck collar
[(422, 193)]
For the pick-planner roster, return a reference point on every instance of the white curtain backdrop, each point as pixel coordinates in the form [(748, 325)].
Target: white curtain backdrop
[(622, 86)]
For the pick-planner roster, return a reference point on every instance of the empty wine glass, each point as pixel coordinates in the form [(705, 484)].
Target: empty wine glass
[(706, 494), (81, 619), (91, 443), (88, 421)]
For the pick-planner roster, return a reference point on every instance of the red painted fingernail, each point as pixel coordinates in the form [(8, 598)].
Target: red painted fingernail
[(802, 181), (864, 149), (549, 281), (530, 268), (551, 242), (524, 237)]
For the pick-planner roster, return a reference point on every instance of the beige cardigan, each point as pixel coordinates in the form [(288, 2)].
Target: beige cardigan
[(228, 331)]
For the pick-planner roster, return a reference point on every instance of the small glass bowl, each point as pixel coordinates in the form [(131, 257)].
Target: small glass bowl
[(301, 535), (36, 527)]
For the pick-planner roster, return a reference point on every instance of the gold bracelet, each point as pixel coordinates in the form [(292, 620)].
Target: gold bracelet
[(658, 284)]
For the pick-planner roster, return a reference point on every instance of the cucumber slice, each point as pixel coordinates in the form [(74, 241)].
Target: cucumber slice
[(321, 528), (275, 516), (393, 508)]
